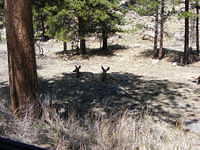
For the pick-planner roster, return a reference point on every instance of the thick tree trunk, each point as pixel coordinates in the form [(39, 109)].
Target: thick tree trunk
[(186, 43), (64, 46), (105, 40), (161, 50), (197, 27), (21, 58), (81, 25), (155, 48)]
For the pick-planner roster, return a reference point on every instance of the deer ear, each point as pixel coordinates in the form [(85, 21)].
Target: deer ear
[(108, 69), (79, 66), (102, 68)]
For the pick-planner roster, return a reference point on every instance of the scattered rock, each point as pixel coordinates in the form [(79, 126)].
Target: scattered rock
[(193, 126), (149, 26), (155, 61), (179, 36), (148, 35), (174, 63)]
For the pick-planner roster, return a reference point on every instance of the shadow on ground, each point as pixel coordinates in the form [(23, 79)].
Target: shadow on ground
[(4, 95), (118, 93), (172, 55), (95, 52)]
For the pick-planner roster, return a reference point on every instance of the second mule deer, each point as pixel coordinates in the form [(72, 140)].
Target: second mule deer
[(77, 71), (104, 73)]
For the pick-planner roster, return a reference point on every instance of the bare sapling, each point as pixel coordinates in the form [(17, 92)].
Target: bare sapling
[(77, 71), (104, 73)]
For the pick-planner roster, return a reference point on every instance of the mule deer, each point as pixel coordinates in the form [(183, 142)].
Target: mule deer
[(104, 73), (77, 71)]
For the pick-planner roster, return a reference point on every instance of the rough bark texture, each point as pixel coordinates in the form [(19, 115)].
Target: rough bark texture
[(21, 57), (156, 50), (197, 27), (186, 43), (161, 50)]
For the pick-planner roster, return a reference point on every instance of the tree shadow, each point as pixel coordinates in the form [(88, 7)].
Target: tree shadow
[(4, 94), (120, 92), (162, 99), (109, 52), (169, 52), (172, 55)]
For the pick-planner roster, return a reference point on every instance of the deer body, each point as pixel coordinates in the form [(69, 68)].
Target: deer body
[(104, 73)]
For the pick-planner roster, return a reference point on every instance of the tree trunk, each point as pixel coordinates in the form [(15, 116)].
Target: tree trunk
[(81, 25), (161, 50), (43, 27), (82, 46), (156, 51), (21, 58), (186, 43), (105, 40), (197, 27), (64, 46)]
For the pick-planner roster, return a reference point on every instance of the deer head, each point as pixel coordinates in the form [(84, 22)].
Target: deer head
[(77, 70), (104, 73)]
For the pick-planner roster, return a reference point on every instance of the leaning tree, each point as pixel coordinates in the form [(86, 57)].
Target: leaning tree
[(21, 58)]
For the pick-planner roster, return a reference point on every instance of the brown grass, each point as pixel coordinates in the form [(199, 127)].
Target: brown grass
[(116, 132)]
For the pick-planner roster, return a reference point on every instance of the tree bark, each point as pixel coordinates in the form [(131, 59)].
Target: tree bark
[(42, 25), (82, 46), (64, 46), (197, 27), (186, 42), (161, 50), (81, 25), (155, 48), (105, 40), (21, 58)]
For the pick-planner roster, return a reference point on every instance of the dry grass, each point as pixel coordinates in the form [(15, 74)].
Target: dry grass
[(121, 132), (115, 132)]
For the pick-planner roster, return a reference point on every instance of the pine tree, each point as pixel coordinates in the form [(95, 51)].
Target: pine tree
[(162, 13), (186, 42), (21, 58), (69, 19), (107, 16), (40, 19), (156, 50)]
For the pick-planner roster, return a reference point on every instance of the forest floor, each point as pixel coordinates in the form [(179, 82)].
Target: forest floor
[(168, 91)]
